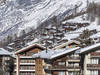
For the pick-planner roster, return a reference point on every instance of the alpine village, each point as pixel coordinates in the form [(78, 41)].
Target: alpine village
[(49, 37)]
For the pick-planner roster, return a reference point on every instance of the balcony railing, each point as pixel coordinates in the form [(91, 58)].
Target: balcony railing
[(62, 68), (95, 54), (26, 70), (73, 67), (74, 59), (93, 66), (59, 68), (26, 63)]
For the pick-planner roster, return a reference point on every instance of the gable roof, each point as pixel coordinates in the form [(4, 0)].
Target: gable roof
[(67, 43), (4, 52), (89, 48), (30, 47), (51, 54)]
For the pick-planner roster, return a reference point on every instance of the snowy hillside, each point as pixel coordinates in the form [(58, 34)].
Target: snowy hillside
[(17, 15)]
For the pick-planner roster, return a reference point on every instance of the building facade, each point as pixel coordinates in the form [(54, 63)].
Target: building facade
[(66, 59), (25, 64), (75, 61), (4, 57), (67, 64), (90, 59)]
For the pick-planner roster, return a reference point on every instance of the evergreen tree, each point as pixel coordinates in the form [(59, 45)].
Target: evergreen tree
[(85, 38)]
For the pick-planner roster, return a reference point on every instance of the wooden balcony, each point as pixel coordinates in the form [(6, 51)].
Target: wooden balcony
[(73, 59), (95, 54), (56, 68), (73, 68), (62, 68), (93, 66)]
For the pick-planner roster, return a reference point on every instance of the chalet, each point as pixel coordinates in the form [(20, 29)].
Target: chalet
[(4, 57), (90, 60), (25, 64), (70, 44)]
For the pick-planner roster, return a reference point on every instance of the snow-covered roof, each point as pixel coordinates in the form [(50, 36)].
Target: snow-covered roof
[(11, 44), (89, 48), (51, 54), (97, 35), (4, 52), (29, 47), (64, 52), (32, 42), (10, 47), (76, 20), (13, 54), (67, 43)]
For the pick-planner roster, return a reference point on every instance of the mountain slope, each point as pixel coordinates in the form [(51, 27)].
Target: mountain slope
[(18, 15)]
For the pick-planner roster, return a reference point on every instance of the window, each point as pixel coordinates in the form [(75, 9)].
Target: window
[(70, 73), (61, 63), (27, 67), (61, 73), (94, 61), (73, 73), (27, 61), (94, 72)]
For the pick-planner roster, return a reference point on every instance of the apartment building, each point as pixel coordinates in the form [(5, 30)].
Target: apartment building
[(69, 61), (4, 57), (90, 60), (66, 59), (25, 64), (58, 62)]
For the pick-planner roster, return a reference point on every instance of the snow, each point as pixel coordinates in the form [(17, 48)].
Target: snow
[(97, 35), (11, 44), (32, 42), (64, 52), (50, 54), (16, 17), (71, 36), (4, 52), (25, 48), (66, 44), (96, 1), (77, 20), (74, 34), (88, 48)]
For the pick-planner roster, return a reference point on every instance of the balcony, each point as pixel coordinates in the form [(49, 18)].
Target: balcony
[(93, 66), (26, 64), (73, 68), (26, 57), (95, 54), (73, 59), (55, 68), (25, 70)]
